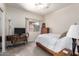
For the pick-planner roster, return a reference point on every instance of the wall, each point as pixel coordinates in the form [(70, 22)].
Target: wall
[(61, 20), (17, 17), (0, 25)]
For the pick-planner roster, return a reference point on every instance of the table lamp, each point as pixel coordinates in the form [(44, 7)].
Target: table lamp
[(74, 34)]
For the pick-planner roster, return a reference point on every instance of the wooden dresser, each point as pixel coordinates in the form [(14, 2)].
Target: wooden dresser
[(15, 38)]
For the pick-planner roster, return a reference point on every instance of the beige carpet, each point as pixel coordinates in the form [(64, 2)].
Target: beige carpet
[(29, 49)]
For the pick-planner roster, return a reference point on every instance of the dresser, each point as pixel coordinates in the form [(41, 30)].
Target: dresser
[(15, 38)]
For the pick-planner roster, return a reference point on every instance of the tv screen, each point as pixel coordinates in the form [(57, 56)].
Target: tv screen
[(19, 31)]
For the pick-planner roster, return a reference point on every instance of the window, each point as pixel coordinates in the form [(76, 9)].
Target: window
[(34, 26)]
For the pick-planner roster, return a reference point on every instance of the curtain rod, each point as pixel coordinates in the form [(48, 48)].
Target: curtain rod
[(31, 18)]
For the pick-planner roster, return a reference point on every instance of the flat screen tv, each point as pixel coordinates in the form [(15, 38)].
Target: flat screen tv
[(19, 31)]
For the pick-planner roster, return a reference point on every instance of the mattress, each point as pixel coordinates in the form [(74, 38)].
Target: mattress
[(53, 42), (46, 39)]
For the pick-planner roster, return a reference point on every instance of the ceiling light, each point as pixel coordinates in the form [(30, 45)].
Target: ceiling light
[(37, 6), (41, 5)]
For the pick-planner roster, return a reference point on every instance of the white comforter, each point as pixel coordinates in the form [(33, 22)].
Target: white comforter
[(53, 42)]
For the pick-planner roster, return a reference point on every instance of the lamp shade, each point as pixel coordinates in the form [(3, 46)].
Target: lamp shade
[(73, 32)]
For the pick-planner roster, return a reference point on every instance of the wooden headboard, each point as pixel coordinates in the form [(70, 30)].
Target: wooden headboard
[(44, 30)]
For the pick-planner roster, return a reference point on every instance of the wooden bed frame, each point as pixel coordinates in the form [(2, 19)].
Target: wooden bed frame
[(52, 53)]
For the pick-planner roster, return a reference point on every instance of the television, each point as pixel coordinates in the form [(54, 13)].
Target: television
[(19, 31)]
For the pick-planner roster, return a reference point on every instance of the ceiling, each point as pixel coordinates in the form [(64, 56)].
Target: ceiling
[(29, 7)]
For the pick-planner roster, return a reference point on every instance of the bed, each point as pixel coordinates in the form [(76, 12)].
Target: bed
[(53, 45)]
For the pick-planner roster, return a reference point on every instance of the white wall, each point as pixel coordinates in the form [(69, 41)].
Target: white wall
[(0, 25), (17, 17), (61, 20)]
